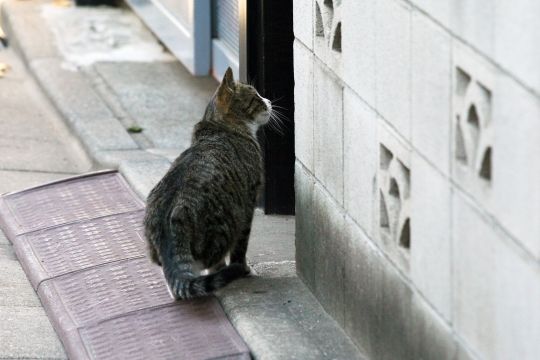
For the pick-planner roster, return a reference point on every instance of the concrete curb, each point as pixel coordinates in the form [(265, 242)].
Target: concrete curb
[(143, 175), (279, 318)]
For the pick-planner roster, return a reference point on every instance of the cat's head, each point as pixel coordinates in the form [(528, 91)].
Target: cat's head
[(237, 102)]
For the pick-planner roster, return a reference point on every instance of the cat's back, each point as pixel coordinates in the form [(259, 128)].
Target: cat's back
[(221, 159), (217, 162)]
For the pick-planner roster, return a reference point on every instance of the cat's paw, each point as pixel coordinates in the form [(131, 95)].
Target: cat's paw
[(250, 271)]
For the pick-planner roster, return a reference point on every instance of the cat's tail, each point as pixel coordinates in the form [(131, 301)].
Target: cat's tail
[(183, 284)]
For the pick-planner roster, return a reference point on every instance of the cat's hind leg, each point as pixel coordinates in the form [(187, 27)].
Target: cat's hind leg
[(215, 268), (153, 254), (238, 254)]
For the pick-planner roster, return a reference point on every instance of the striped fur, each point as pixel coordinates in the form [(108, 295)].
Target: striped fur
[(203, 207)]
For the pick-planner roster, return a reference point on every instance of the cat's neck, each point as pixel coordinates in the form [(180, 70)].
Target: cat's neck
[(211, 116), (242, 129), (253, 129)]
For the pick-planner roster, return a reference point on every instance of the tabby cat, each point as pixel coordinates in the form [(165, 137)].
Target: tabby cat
[(200, 213)]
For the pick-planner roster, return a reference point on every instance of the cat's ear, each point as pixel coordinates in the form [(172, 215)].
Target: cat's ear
[(226, 88), (228, 78)]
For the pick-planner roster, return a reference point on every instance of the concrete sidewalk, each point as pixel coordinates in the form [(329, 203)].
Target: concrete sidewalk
[(101, 101)]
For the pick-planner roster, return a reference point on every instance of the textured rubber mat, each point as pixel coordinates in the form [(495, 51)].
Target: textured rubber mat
[(80, 242)]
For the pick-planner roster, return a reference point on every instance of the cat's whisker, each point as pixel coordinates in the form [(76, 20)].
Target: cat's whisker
[(278, 114), (276, 123), (277, 130), (279, 118), (278, 107), (272, 125), (276, 100)]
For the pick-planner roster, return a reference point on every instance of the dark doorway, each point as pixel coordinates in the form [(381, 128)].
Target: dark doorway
[(269, 66)]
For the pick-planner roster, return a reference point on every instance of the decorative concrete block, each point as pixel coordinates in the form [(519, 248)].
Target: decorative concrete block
[(327, 39), (472, 125), (387, 318), (363, 287), (304, 238), (393, 59), (432, 337), (303, 21), (516, 169), (495, 289), (303, 104), (474, 21), (439, 10), (359, 47), (517, 35), (328, 127), (330, 249), (431, 86), (465, 354), (392, 204), (430, 233), (360, 160)]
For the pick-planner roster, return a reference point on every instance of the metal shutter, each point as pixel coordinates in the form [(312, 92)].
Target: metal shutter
[(225, 37), (225, 24), (183, 26)]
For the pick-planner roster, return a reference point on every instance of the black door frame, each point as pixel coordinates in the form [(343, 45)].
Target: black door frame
[(266, 60)]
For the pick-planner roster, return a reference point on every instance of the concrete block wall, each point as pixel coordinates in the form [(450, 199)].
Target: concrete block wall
[(417, 173)]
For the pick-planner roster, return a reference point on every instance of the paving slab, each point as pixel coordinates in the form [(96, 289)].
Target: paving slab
[(38, 208), (163, 98), (55, 252), (80, 242)]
